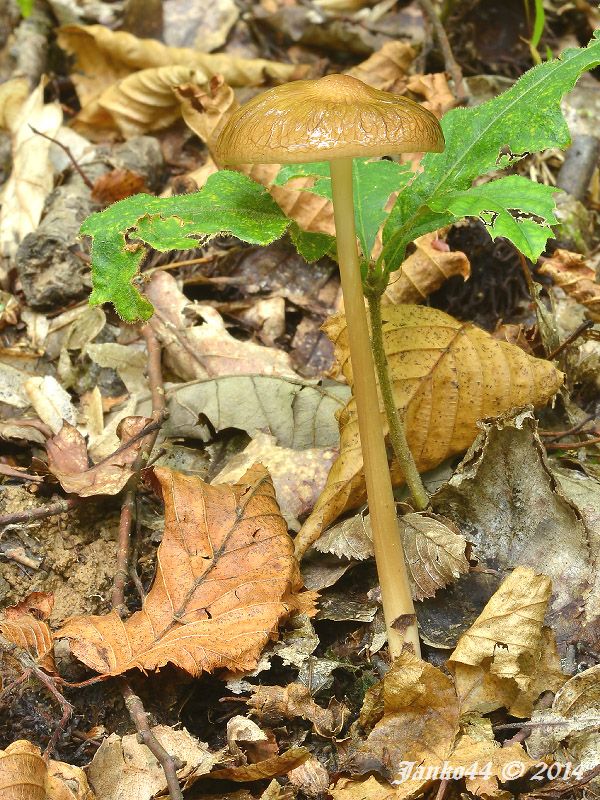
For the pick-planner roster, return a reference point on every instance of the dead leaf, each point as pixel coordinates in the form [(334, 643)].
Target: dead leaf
[(447, 375), (202, 24), (269, 768), (117, 185), (123, 768), (501, 658), (298, 475), (25, 625), (32, 176), (226, 576), (387, 69), (206, 109), (570, 272), (51, 402), (293, 701), (569, 731), (425, 270), (10, 310), (68, 460), (206, 350), (311, 778), (247, 742), (435, 90), (24, 775)]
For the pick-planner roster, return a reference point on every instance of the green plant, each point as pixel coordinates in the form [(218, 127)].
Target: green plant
[(539, 21), (25, 7), (525, 119)]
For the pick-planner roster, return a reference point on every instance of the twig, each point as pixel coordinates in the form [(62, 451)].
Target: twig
[(452, 66), (572, 445), (40, 513), (69, 155), (134, 705), (151, 427), (571, 338), (557, 435), (30, 667)]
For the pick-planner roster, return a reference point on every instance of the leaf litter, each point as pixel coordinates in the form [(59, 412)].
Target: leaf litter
[(503, 566)]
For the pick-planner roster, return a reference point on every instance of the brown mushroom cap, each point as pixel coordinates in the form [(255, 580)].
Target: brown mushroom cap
[(337, 116)]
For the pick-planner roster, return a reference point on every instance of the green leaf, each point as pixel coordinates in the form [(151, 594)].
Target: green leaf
[(374, 182), (514, 207), (311, 246), (25, 7), (230, 203), (525, 119)]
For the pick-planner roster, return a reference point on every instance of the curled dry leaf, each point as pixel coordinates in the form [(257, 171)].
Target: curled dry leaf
[(387, 69), (206, 109), (124, 768), (25, 625), (298, 475), (503, 659), (425, 270), (447, 375), (226, 576), (263, 770), (275, 703), (310, 778), (68, 459), (52, 403), (25, 775), (570, 272)]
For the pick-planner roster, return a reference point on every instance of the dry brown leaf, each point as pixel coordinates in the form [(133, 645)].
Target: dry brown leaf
[(117, 185), (103, 57), (425, 270), (446, 376), (503, 658), (298, 475), (123, 768), (275, 703), (206, 109), (517, 334), (262, 770), (387, 69), (435, 90), (226, 576), (207, 350), (25, 775), (310, 778), (570, 272), (68, 460), (25, 625)]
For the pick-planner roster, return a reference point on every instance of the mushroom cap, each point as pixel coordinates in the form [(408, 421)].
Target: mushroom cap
[(337, 116)]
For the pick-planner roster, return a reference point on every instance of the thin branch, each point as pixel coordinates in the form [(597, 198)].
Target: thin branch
[(40, 513), (452, 66), (69, 155), (571, 338)]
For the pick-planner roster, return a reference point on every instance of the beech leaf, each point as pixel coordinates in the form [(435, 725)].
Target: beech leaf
[(447, 375), (226, 576)]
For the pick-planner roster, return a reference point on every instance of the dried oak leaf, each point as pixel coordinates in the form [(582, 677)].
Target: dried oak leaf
[(293, 701), (506, 658), (447, 375), (570, 272), (425, 270), (25, 625), (68, 460), (226, 576), (25, 775)]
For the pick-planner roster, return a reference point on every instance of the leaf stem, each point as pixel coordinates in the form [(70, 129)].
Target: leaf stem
[(389, 555), (394, 419)]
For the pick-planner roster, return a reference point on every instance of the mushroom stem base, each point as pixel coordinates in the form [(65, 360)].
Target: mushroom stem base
[(389, 555)]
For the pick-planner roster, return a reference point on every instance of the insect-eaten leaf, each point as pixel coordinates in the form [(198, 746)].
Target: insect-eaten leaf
[(226, 576), (447, 375)]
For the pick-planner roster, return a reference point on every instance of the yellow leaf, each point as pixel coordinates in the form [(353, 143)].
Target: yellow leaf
[(226, 576), (25, 625), (25, 775), (447, 375)]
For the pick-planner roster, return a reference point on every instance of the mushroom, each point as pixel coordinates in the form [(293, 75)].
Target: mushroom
[(335, 119)]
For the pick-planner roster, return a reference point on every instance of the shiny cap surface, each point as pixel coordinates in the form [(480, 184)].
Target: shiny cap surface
[(337, 116)]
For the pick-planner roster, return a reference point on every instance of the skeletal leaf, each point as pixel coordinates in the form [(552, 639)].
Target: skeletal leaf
[(226, 575), (25, 625), (447, 375), (572, 274)]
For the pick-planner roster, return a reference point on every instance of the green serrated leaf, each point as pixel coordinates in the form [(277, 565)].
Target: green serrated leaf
[(525, 119), (311, 246), (514, 207), (374, 182), (230, 203)]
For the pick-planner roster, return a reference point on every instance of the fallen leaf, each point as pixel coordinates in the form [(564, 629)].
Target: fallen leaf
[(202, 25), (226, 576), (310, 778), (515, 511), (425, 270), (51, 402), (117, 185), (446, 376), (387, 69), (25, 625), (269, 768), (247, 742), (68, 460), (298, 475), (10, 310), (129, 363), (298, 414), (571, 272), (32, 177), (500, 658), (293, 701), (569, 731), (435, 90), (25, 775), (12, 386), (206, 109), (123, 768)]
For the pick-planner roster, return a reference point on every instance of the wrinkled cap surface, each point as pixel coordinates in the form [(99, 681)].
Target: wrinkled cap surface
[(337, 116)]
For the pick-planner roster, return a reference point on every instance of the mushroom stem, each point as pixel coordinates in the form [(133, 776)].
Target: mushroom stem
[(389, 555), (394, 418)]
